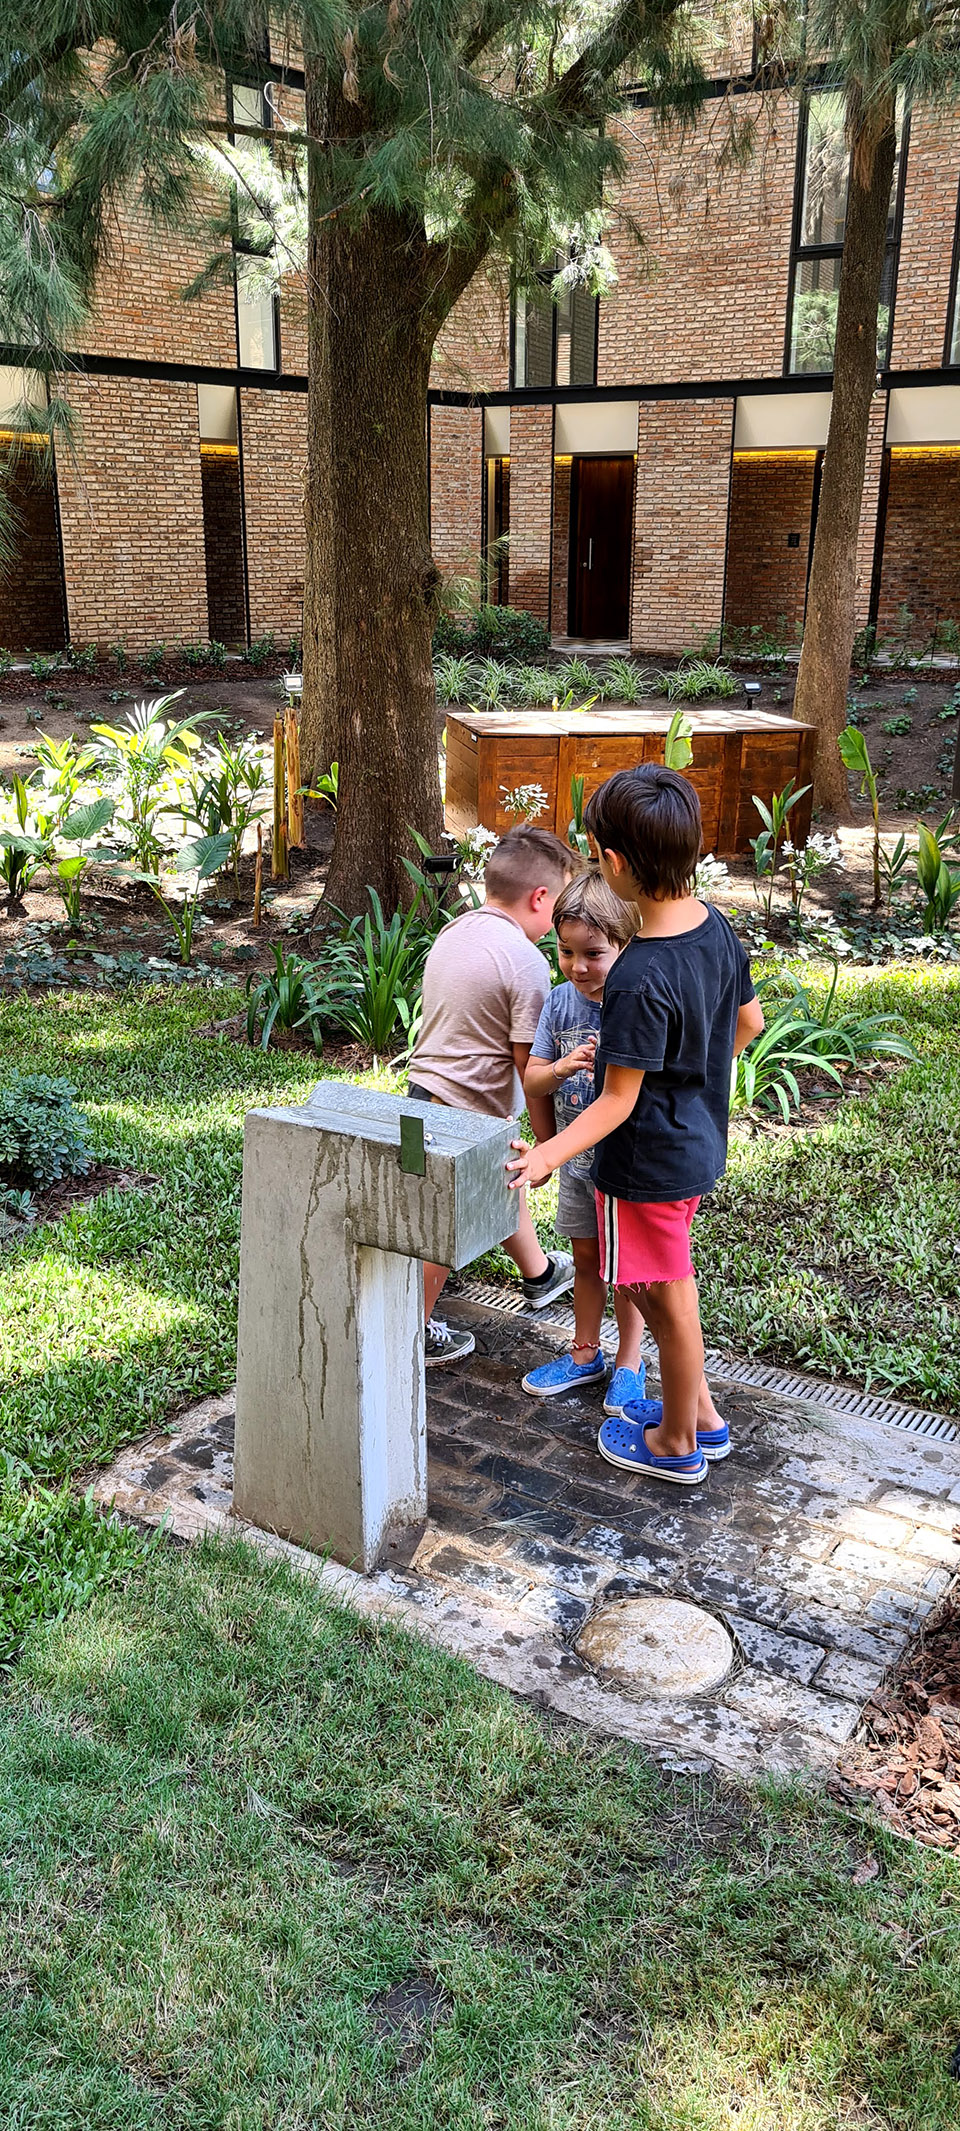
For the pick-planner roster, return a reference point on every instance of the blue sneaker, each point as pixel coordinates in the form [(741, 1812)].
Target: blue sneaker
[(564, 1374), (623, 1441), (626, 1384)]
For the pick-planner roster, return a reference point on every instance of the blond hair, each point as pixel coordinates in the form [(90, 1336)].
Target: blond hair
[(587, 899), (526, 859)]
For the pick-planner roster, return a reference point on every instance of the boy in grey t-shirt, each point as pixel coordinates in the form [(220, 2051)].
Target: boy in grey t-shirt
[(592, 926), (484, 984)]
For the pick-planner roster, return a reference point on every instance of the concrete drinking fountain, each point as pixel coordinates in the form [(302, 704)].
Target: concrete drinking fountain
[(342, 1200)]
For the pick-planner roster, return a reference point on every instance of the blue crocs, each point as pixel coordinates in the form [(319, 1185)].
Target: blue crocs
[(626, 1384), (564, 1374), (715, 1443), (623, 1441)]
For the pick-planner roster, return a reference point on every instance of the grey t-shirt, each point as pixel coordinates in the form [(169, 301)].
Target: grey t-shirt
[(568, 1018)]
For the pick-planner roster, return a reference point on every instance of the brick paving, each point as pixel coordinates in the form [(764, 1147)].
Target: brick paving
[(822, 1544)]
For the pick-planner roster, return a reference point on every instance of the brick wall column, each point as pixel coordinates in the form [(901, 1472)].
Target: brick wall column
[(867, 535), (560, 586), (456, 487), (273, 451), (531, 510), (680, 522), (131, 514)]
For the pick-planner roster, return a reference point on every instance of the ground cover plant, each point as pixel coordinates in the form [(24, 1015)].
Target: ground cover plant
[(320, 1874)]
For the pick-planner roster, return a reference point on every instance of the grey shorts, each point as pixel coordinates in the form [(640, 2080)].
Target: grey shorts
[(576, 1206)]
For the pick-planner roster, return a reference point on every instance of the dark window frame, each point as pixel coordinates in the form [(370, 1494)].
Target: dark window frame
[(800, 252), (545, 279)]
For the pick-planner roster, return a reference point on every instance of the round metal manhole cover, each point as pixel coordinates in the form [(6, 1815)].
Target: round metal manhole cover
[(657, 1646)]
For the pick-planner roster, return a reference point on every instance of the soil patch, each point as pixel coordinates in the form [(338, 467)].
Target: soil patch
[(59, 1199), (907, 1753)]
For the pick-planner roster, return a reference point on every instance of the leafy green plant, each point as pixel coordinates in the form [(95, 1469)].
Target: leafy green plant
[(373, 974), (203, 653), (84, 658), (864, 646), (198, 860), (6, 663), (285, 999), (801, 1035), (855, 756), (452, 676), (142, 754), (805, 865), (327, 786), (695, 680), (897, 727), (118, 653), (65, 766), (536, 685), (23, 850), (504, 632), (43, 1136), (624, 681), (767, 846), (493, 683), (574, 674), (677, 750), (576, 833), (893, 865), (77, 828), (153, 659), (260, 651), (939, 881), (228, 791)]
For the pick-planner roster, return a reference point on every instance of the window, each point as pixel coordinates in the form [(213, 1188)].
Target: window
[(256, 315), (951, 352), (819, 218), (555, 343)]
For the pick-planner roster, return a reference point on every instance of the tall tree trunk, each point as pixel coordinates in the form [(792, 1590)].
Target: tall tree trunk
[(824, 673), (369, 701)]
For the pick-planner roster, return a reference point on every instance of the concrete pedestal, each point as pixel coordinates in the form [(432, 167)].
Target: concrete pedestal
[(331, 1428)]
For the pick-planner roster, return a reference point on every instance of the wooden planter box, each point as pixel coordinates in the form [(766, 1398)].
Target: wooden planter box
[(736, 753)]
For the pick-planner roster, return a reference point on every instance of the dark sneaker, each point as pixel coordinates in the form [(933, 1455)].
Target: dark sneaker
[(442, 1343), (537, 1294)]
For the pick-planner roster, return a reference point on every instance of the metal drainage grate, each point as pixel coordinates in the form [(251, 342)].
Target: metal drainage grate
[(754, 1375)]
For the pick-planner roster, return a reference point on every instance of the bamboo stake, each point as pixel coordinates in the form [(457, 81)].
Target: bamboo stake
[(279, 863), (258, 876), (295, 829)]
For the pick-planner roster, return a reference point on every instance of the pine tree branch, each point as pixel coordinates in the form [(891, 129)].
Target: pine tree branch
[(583, 91), (496, 16)]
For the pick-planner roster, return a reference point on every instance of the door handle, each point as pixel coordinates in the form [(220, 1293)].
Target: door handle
[(590, 553)]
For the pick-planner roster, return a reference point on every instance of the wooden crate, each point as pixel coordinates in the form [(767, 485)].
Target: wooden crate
[(736, 753)]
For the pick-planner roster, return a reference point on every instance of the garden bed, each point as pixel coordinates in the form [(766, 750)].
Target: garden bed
[(906, 1759)]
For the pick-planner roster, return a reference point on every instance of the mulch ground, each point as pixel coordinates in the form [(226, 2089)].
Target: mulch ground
[(906, 1757)]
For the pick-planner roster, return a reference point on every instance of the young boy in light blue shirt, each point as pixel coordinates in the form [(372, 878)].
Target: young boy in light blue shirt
[(592, 926)]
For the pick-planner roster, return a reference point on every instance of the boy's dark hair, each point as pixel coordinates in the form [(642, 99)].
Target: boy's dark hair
[(652, 817), (525, 859)]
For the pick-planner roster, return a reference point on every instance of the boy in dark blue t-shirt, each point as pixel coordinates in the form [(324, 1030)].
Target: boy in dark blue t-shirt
[(678, 1006)]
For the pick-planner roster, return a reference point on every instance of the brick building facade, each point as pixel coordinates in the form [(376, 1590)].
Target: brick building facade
[(642, 470)]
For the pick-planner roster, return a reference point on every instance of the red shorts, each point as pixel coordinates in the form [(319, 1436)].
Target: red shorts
[(643, 1243)]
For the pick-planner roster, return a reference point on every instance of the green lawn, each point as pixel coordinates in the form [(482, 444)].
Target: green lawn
[(233, 1818)]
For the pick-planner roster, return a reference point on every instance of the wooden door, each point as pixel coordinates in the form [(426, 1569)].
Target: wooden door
[(601, 523)]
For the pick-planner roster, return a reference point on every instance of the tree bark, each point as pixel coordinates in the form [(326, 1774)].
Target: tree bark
[(824, 672), (369, 701)]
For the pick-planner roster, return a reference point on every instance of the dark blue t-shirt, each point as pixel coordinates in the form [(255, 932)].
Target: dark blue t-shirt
[(670, 1010)]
